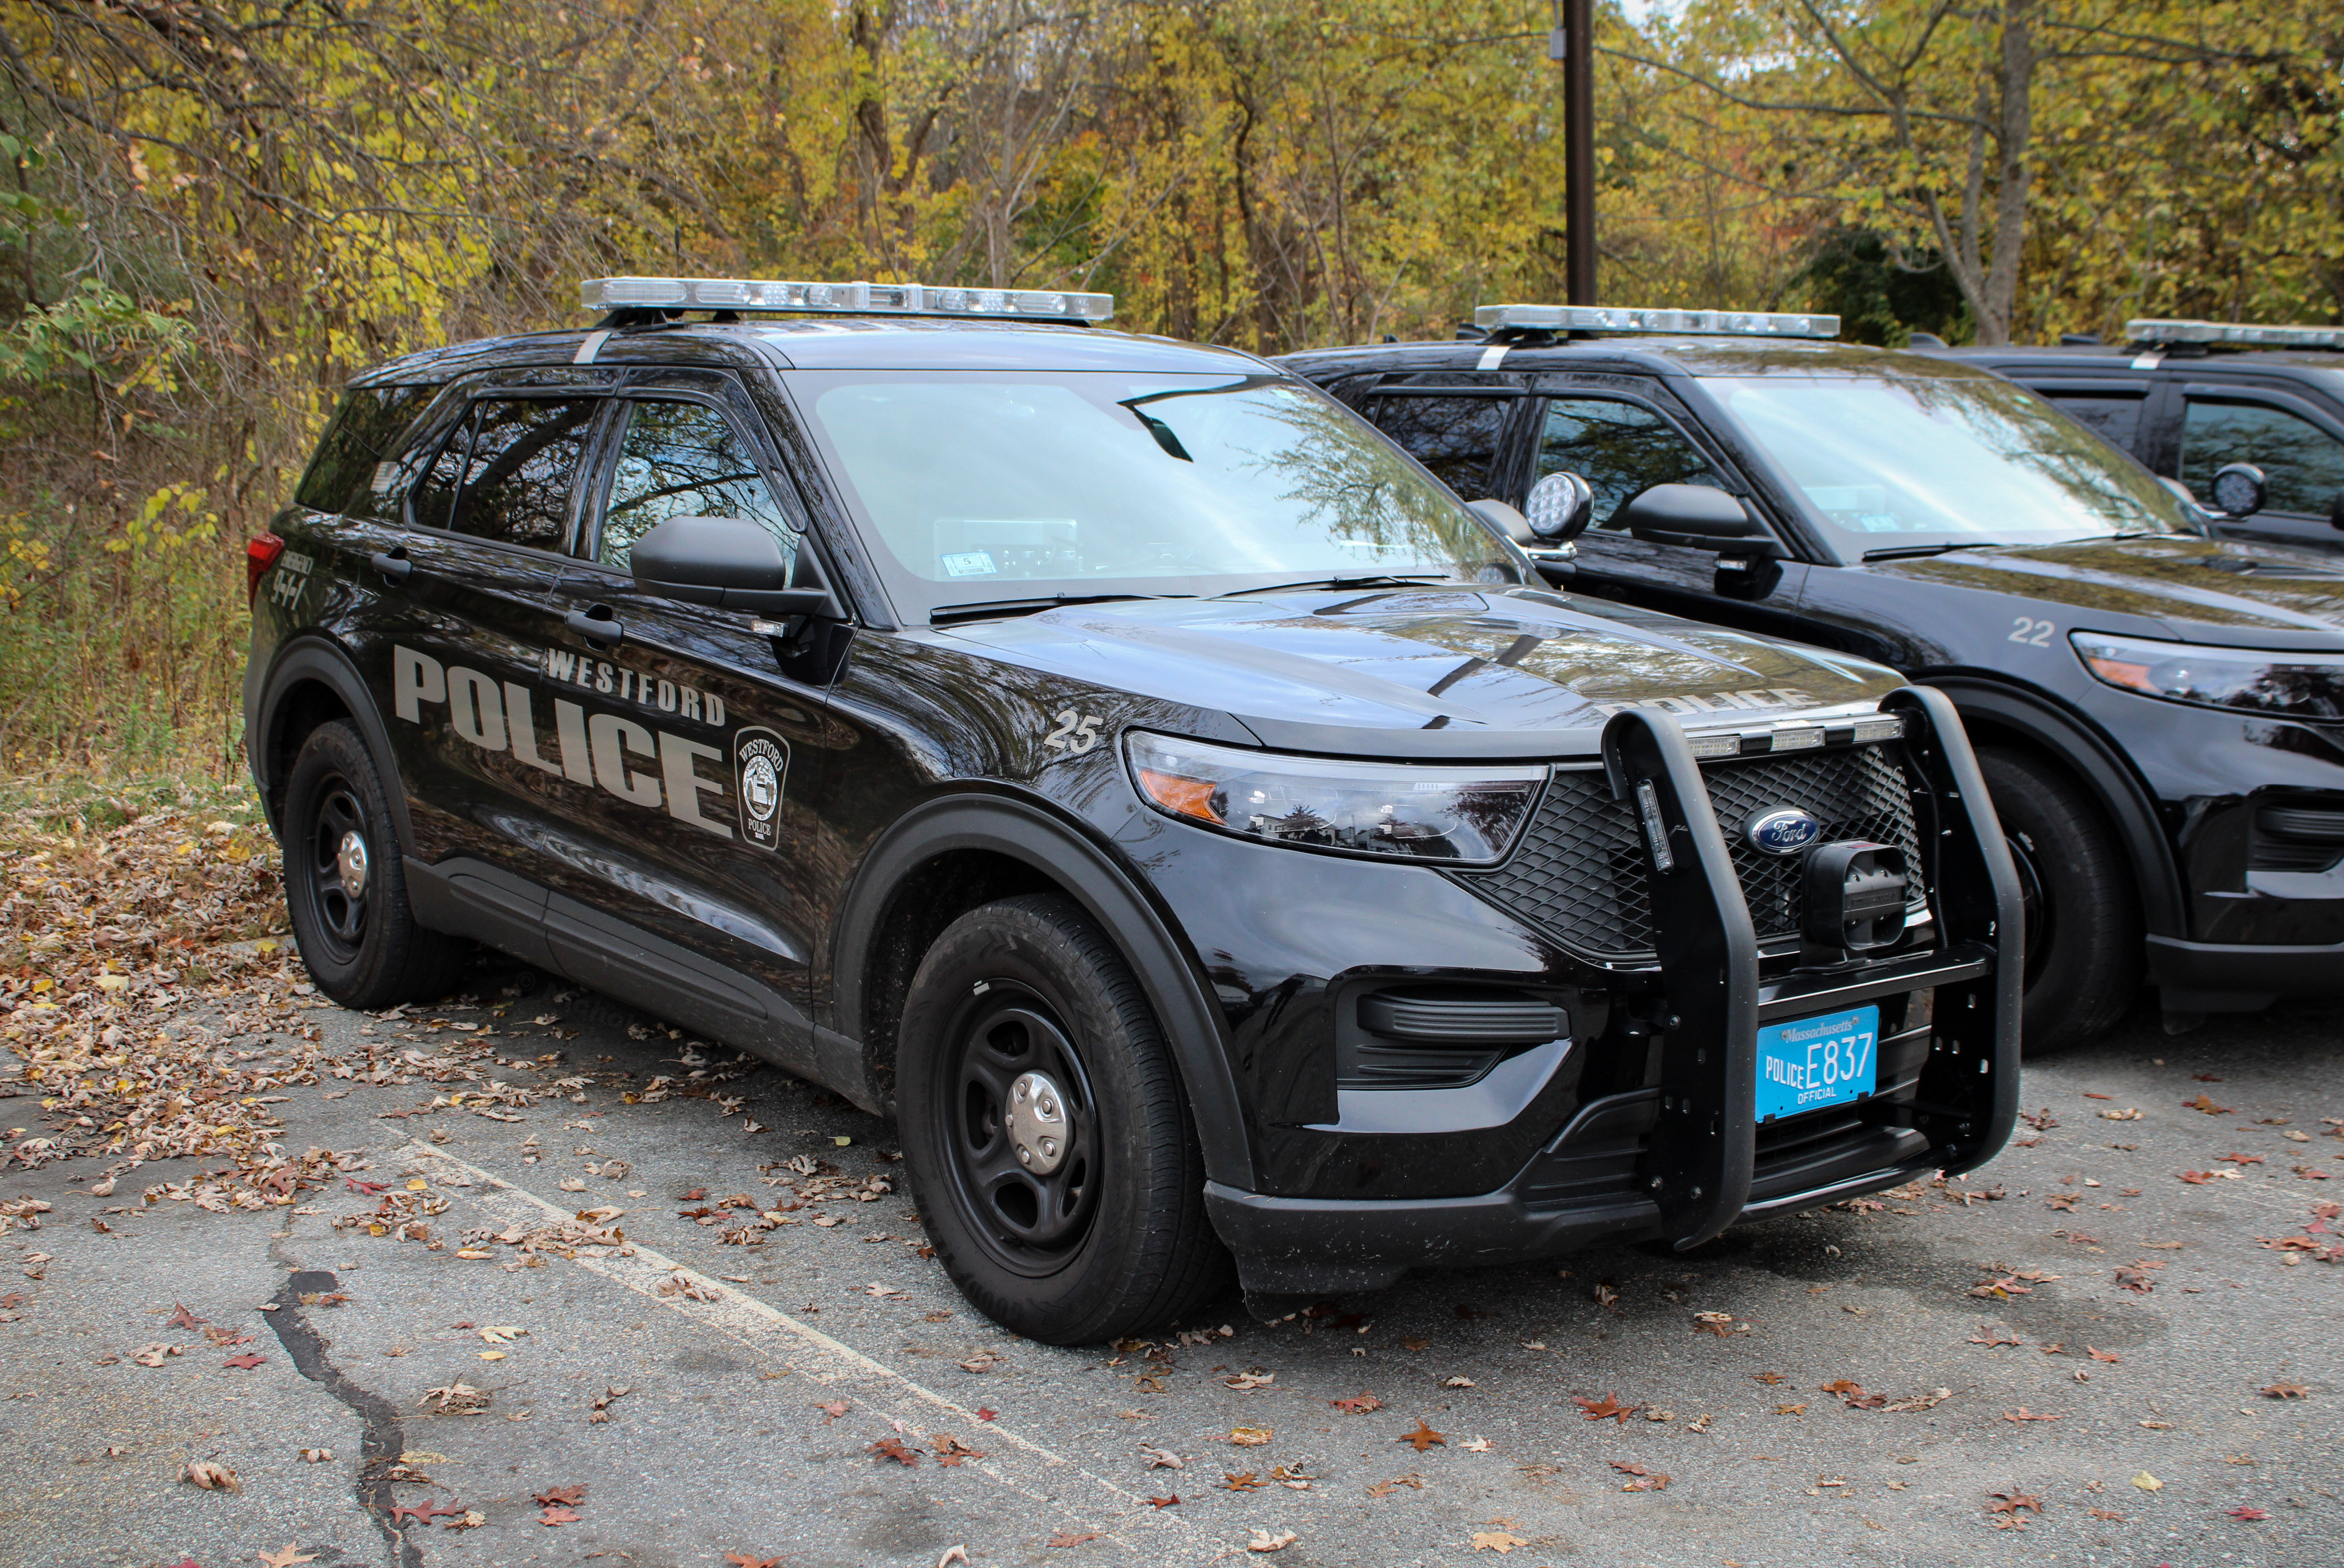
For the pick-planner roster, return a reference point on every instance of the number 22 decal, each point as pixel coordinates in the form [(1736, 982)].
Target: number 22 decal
[(2033, 632), (1076, 732)]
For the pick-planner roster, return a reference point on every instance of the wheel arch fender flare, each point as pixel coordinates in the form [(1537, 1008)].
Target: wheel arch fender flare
[(1027, 830), (323, 662), (2101, 767)]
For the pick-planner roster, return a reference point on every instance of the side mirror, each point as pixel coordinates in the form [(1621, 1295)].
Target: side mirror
[(1698, 517), (1561, 505), (2238, 490), (1504, 519), (728, 561)]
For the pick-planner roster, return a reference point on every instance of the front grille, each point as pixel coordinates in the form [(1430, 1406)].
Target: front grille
[(1580, 872)]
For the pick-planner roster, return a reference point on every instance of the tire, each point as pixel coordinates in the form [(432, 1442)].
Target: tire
[(351, 920), (2083, 939), (1110, 1237)]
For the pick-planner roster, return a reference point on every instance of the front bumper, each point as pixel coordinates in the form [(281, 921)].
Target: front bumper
[(1682, 1157)]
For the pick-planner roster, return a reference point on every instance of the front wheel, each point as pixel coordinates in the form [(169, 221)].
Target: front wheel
[(1048, 1143), (2082, 936), (345, 887)]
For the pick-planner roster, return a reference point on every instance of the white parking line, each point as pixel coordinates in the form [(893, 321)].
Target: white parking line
[(806, 1349)]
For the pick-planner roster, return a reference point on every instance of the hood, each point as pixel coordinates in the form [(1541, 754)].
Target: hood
[(1491, 673), (2189, 589)]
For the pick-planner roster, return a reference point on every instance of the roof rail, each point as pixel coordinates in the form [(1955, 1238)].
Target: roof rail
[(1620, 319), (858, 298)]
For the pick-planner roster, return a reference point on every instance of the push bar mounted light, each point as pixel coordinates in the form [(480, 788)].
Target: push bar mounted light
[(2244, 333), (1613, 318), (840, 298)]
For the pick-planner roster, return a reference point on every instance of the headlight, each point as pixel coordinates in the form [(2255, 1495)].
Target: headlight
[(1460, 815), (2254, 680)]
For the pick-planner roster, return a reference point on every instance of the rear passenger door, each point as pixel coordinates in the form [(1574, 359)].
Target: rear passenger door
[(460, 573), (688, 862), (2298, 445)]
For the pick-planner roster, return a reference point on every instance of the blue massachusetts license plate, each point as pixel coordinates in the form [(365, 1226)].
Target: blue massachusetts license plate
[(1809, 1063)]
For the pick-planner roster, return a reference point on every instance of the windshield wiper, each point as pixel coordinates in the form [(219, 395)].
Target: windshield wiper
[(1416, 581), (1907, 551), (945, 613)]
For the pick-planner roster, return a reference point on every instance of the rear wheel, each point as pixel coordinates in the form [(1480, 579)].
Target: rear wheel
[(1049, 1146), (2083, 936), (345, 887)]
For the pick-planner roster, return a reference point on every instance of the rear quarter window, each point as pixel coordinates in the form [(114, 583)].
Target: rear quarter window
[(364, 431)]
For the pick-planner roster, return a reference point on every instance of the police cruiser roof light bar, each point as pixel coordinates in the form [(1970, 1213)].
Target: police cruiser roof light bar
[(841, 298), (1618, 319), (2245, 334)]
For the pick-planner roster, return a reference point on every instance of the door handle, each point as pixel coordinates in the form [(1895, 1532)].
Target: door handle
[(596, 626), (393, 564)]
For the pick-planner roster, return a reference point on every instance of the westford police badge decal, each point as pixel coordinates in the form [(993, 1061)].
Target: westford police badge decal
[(760, 765)]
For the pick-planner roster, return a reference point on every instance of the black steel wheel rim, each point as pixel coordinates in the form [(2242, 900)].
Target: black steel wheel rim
[(340, 902), (2034, 906), (1028, 1223)]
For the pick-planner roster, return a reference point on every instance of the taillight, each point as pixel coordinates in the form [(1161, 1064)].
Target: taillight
[(260, 553)]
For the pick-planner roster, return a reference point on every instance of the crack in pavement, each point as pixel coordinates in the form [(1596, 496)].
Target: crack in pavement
[(381, 1443), (755, 1324)]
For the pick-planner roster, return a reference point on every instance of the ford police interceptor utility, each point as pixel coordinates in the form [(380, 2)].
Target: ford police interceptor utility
[(1200, 829), (2159, 715), (2249, 418)]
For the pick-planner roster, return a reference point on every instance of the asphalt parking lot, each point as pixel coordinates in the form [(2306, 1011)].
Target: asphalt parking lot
[(2116, 1344)]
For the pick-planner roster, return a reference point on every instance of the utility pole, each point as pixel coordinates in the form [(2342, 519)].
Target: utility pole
[(1571, 44)]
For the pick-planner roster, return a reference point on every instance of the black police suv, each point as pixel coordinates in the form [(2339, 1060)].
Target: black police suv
[(1200, 830), (2196, 400), (2159, 715)]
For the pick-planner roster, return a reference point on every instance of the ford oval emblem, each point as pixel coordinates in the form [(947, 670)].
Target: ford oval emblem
[(1786, 830)]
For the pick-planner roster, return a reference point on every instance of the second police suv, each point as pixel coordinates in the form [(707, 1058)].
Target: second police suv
[(1200, 830), (2159, 715)]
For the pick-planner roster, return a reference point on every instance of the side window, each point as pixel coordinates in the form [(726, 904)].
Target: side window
[(1456, 437), (2114, 417), (2303, 463), (682, 459), (1620, 449), (525, 453), (359, 436)]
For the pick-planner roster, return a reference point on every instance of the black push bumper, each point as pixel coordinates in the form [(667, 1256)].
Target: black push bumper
[(1683, 1158)]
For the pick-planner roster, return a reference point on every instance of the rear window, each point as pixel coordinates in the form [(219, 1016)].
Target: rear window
[(361, 434)]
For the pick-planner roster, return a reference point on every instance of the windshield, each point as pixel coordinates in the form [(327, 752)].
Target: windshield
[(1898, 462), (1008, 487)]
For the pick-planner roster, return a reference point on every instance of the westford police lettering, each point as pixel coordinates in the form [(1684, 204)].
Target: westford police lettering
[(600, 675), (644, 767), (761, 767)]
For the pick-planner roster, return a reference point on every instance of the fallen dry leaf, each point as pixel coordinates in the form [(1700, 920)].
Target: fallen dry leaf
[(1246, 1480), (833, 1411), (1357, 1404), (2286, 1391), (1499, 1541), (2206, 1104), (553, 1516), (889, 1448), (246, 1360), (1073, 1537), (1171, 1501), (211, 1477), (1263, 1541), (286, 1556), (425, 1512), (951, 1451), (742, 1560), (1386, 1488), (2100, 1355), (1249, 1436), (1423, 1438), (1645, 1480), (560, 1497), (2147, 1482), (2011, 1502), (183, 1319), (1608, 1408)]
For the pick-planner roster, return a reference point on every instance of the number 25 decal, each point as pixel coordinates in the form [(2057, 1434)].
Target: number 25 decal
[(2033, 632), (1076, 732)]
